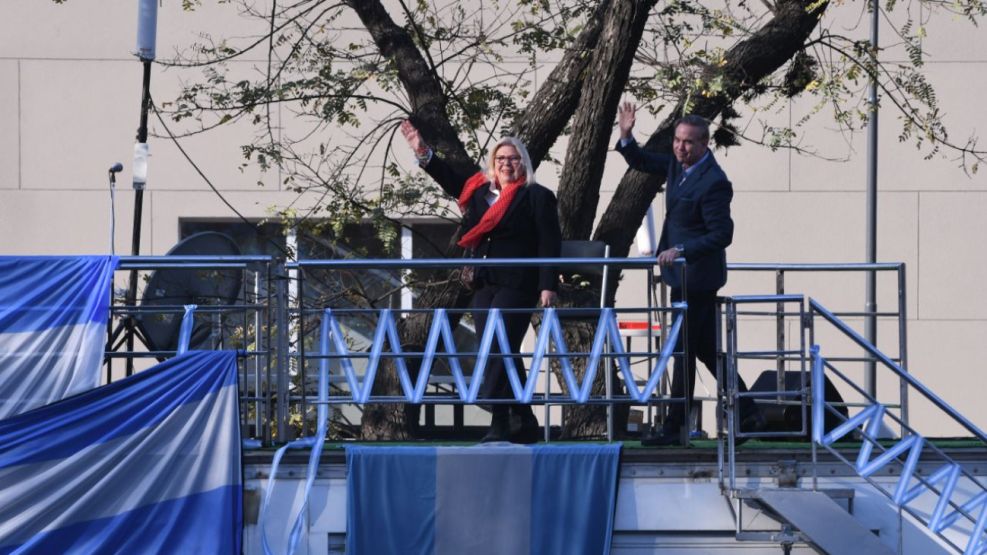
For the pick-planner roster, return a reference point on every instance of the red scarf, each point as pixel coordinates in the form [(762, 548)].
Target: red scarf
[(493, 215)]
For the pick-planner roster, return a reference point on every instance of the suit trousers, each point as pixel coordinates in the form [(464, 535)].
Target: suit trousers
[(701, 335), (495, 382)]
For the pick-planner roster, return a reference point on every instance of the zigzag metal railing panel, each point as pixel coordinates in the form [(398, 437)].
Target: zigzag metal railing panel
[(312, 271), (607, 344), (333, 347), (958, 496)]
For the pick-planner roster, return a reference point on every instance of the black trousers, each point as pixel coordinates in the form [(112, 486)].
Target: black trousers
[(701, 335), (495, 383)]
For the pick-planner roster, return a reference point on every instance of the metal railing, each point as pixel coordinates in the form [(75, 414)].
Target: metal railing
[(355, 370), (954, 494), (728, 419), (780, 272), (242, 324), (785, 406), (271, 325), (788, 355)]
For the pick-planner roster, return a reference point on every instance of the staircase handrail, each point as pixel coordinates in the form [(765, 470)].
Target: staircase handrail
[(815, 307), (951, 502)]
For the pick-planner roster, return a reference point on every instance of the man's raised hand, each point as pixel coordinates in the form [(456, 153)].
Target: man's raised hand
[(625, 118)]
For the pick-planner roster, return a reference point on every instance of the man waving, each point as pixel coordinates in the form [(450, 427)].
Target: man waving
[(697, 227)]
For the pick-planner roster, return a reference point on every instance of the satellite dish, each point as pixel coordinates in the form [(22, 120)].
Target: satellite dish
[(182, 286)]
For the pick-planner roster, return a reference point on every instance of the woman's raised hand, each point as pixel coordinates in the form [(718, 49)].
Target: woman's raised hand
[(414, 138)]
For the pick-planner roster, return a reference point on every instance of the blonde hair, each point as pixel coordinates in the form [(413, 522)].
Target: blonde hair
[(529, 169)]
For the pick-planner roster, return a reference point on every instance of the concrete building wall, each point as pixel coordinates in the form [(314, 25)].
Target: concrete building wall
[(69, 106)]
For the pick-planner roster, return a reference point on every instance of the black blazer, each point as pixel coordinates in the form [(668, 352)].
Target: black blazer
[(529, 229), (697, 215)]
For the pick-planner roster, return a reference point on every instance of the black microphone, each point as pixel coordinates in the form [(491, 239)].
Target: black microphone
[(118, 167)]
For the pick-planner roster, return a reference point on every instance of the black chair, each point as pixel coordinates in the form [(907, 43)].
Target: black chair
[(586, 249)]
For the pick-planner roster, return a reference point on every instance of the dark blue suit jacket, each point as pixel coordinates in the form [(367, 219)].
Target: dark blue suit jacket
[(697, 215)]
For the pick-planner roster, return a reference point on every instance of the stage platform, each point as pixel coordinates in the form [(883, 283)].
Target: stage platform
[(669, 499)]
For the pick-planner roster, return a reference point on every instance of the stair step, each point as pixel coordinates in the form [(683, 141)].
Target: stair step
[(822, 520)]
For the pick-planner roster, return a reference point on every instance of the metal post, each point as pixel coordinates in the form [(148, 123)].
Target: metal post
[(803, 377), (903, 344), (259, 346), (282, 366), (780, 332), (721, 362), (810, 323), (135, 245), (729, 389), (666, 384), (548, 395), (650, 337), (813, 446), (268, 359), (686, 374), (608, 366), (302, 375), (109, 341), (870, 323)]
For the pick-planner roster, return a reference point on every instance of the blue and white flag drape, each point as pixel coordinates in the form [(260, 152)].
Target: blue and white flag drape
[(149, 464), (480, 500), (53, 315)]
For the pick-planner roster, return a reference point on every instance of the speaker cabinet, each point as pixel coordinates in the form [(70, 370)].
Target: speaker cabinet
[(788, 417)]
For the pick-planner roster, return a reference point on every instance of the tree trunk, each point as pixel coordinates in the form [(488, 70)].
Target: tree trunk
[(553, 104), (589, 87), (747, 63), (602, 85), (542, 122), (428, 100), (400, 421), (579, 186)]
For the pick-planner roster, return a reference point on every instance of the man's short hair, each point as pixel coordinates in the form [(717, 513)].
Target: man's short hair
[(693, 120)]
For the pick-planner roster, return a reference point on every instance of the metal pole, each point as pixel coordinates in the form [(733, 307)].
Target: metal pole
[(730, 392), (903, 345), (780, 332), (721, 399), (135, 245), (870, 323), (548, 396), (608, 365), (282, 365), (686, 430), (269, 317), (652, 301)]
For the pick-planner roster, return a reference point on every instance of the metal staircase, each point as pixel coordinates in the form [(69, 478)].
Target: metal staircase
[(920, 481), (821, 521)]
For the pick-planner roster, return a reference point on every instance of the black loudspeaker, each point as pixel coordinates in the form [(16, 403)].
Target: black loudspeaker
[(788, 417)]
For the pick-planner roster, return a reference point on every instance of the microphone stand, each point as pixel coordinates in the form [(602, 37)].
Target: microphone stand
[(113, 226), (113, 205)]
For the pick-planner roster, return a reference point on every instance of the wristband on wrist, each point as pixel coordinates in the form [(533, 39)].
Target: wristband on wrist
[(424, 158)]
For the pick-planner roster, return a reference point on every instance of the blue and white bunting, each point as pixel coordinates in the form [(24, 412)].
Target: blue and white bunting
[(487, 499), (149, 464), (53, 315)]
